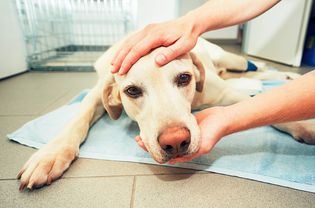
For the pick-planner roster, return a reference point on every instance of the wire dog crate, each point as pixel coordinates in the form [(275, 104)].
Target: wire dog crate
[(69, 35)]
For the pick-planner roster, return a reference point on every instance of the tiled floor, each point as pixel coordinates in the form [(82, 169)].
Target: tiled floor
[(99, 183)]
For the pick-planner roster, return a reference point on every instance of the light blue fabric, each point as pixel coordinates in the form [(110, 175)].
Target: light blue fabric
[(261, 154)]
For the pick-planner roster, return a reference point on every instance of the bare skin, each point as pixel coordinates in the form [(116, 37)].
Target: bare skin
[(179, 36)]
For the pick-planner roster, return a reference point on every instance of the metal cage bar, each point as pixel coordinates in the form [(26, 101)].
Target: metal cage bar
[(70, 34)]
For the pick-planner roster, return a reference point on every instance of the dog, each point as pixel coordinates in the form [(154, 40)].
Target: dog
[(159, 99)]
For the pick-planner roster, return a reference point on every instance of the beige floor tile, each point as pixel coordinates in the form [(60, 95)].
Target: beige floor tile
[(33, 93), (27, 102), (34, 80), (212, 190), (27, 80), (79, 192), (70, 80), (12, 158), (12, 154), (9, 124)]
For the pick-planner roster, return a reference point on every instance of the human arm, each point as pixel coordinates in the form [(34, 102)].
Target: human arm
[(290, 102), (179, 36)]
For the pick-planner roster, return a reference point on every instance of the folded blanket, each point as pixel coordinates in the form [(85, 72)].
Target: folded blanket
[(262, 154)]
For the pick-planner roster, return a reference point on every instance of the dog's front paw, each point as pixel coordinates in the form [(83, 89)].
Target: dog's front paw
[(46, 165)]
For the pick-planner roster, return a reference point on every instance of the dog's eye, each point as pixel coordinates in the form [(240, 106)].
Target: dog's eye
[(183, 79), (133, 91)]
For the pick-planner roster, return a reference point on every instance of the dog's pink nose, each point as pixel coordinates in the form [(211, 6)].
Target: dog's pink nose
[(175, 140)]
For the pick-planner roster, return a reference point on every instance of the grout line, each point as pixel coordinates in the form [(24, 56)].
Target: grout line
[(117, 176), (8, 179), (132, 200), (17, 115), (114, 176)]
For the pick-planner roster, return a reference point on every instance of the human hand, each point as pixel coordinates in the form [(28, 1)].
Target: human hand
[(179, 36), (212, 123)]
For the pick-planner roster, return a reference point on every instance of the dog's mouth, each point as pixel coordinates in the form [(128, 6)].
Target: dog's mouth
[(167, 157), (162, 157)]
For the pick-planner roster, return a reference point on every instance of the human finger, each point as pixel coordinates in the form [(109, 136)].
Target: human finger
[(171, 52), (140, 143), (136, 52)]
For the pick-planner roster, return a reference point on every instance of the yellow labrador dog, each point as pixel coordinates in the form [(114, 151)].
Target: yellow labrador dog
[(159, 99)]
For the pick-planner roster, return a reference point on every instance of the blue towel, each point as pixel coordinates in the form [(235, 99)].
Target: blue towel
[(262, 154)]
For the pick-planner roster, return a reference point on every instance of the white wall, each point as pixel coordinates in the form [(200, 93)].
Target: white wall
[(12, 47), (153, 11), (185, 6), (279, 33)]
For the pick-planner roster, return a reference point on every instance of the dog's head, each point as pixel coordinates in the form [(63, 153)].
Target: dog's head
[(159, 99)]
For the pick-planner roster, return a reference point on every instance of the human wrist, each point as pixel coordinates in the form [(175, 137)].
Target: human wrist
[(196, 24), (230, 123), (220, 118)]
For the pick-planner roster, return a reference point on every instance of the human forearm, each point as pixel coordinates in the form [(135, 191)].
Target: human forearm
[(293, 101), (216, 14)]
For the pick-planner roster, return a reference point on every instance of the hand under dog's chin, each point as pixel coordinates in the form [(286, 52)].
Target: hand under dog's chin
[(164, 158)]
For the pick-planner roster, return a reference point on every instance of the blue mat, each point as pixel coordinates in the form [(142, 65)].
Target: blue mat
[(261, 154)]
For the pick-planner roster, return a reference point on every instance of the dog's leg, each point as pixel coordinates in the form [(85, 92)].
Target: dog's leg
[(301, 131), (235, 63), (231, 61), (228, 63), (220, 58), (49, 163)]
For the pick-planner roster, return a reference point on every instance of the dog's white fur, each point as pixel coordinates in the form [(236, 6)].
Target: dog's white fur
[(161, 105)]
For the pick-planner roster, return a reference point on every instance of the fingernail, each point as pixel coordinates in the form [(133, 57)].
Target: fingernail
[(160, 59), (114, 69), (30, 186)]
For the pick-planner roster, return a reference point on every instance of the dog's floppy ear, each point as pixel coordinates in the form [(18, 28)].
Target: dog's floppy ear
[(111, 98), (199, 72), (110, 91)]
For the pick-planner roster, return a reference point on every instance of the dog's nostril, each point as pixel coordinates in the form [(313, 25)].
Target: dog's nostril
[(184, 145), (169, 149)]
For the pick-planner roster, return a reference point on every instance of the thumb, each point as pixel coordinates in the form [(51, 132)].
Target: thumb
[(210, 135), (181, 46), (140, 143)]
